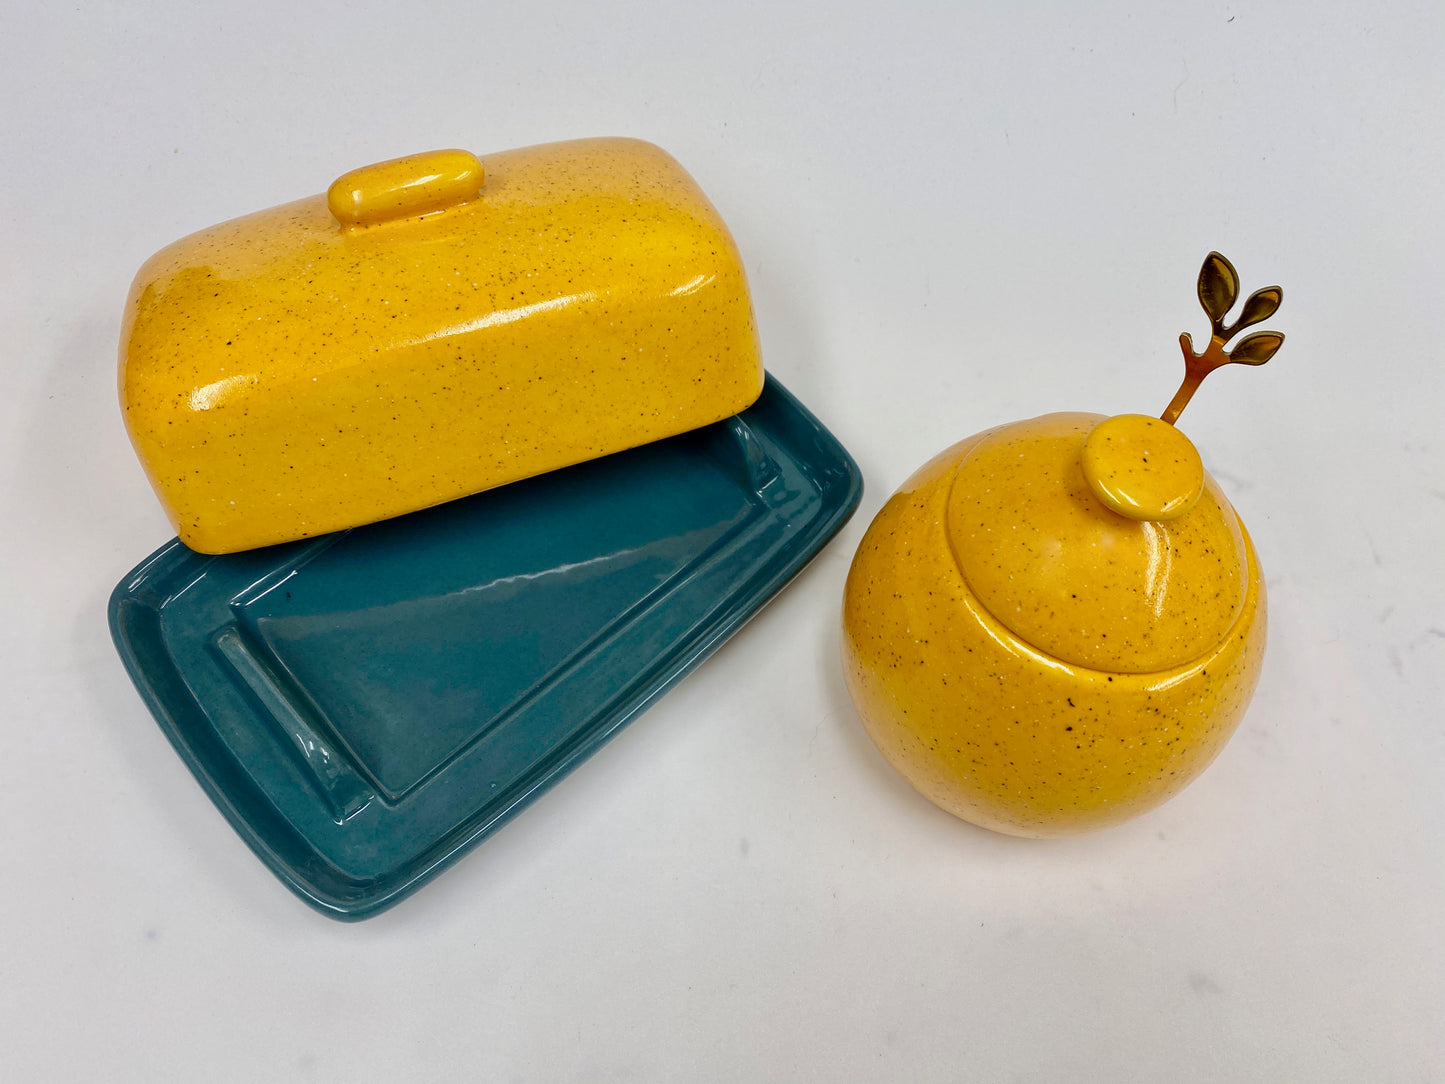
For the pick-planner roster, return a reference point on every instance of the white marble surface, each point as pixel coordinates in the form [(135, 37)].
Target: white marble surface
[(953, 215)]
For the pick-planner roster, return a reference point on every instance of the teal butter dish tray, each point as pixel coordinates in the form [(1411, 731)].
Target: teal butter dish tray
[(367, 706)]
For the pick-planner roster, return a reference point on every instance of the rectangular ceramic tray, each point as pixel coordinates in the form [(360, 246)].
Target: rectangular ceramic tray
[(367, 706)]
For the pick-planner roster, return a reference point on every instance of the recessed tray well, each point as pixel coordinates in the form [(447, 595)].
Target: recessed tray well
[(366, 706)]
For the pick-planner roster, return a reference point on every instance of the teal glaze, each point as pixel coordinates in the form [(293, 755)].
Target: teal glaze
[(367, 706)]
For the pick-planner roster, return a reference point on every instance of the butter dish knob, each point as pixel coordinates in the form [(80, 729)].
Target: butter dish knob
[(402, 187)]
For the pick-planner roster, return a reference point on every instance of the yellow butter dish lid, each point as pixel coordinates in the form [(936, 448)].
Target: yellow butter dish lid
[(429, 328)]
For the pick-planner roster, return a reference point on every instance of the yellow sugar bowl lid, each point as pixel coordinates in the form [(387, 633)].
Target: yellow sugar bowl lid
[(1100, 542)]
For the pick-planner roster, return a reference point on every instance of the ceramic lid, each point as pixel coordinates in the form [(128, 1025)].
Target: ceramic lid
[(433, 326), (1047, 549)]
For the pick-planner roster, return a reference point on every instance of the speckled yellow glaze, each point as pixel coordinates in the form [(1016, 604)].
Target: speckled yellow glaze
[(285, 374), (1032, 661)]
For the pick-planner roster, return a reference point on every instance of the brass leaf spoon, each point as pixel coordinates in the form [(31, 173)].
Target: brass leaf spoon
[(1218, 291)]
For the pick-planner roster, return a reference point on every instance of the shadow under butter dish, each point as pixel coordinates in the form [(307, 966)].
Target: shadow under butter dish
[(1034, 662)]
